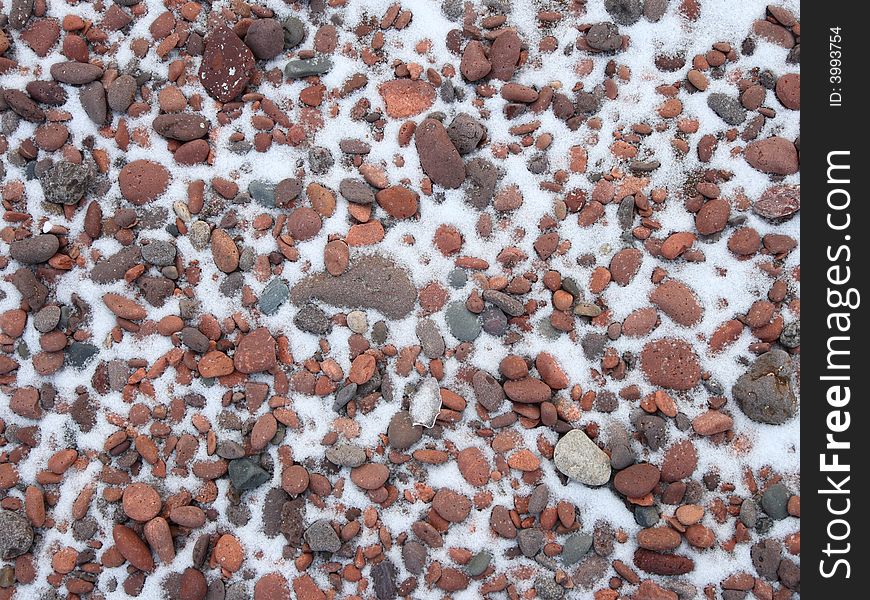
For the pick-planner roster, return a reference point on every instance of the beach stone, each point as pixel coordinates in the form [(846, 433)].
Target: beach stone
[(774, 501), (680, 461), (371, 282), (464, 325), (662, 564), (121, 93), (402, 432), (547, 589), (23, 106), (575, 547), (506, 303), (729, 109), (473, 466), (141, 502), (439, 158), (766, 557), (304, 223), (92, 97), (466, 133), (487, 390), (132, 548), (256, 352), (294, 31), (430, 338), (407, 97), (346, 455), (479, 563), (788, 90), (34, 250), (579, 458), (398, 201), (625, 264), (142, 181), (774, 155), (227, 64), (604, 37), (414, 555), (764, 392), (778, 202), (671, 363), (370, 476), (299, 68), (504, 55), (78, 354), (183, 127), (384, 579), (356, 190), (451, 506), (265, 38), (273, 296), (531, 541), (321, 537), (474, 64), (312, 319), (678, 301), (65, 182), (16, 534), (637, 480), (245, 474), (159, 253), (494, 321), (624, 12), (75, 73)]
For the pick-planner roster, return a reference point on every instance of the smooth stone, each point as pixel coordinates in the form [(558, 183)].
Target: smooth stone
[(463, 324), (579, 458), (273, 296), (246, 474), (305, 67), (321, 537)]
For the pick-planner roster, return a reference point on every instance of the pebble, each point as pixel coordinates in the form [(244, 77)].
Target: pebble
[(245, 474), (474, 65), (531, 541), (142, 181), (159, 253), (764, 392), (766, 557), (402, 432), (312, 319), (479, 563), (273, 296), (577, 457), (370, 476), (637, 480), (604, 37), (775, 501), (464, 325), (265, 38), (729, 109), (624, 12), (227, 64), (778, 202), (294, 31), (671, 363), (16, 534), (414, 555), (321, 537), (407, 97), (34, 250), (430, 338), (451, 506), (504, 55), (678, 301), (132, 548), (65, 182), (439, 158), (346, 455), (305, 67), (774, 155), (466, 133)]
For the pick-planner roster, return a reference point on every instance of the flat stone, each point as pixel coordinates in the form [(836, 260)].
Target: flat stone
[(321, 537), (464, 325), (305, 67)]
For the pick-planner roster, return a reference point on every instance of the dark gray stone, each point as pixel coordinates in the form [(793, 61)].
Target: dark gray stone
[(246, 474)]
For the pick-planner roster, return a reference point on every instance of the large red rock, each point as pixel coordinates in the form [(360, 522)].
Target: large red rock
[(407, 97), (439, 158), (774, 155)]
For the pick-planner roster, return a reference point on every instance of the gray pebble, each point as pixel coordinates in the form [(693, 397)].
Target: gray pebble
[(346, 455), (457, 279), (16, 534), (35, 249), (273, 296), (159, 253), (304, 67), (547, 589), (262, 192), (508, 304), (646, 516), (494, 321), (430, 338), (530, 540), (576, 546), (775, 501), (246, 474), (320, 160), (312, 319), (414, 555), (464, 325), (466, 133), (79, 353), (321, 537), (624, 12), (539, 498), (478, 563), (65, 182), (47, 318), (356, 190), (294, 32), (729, 109)]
